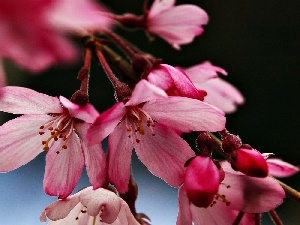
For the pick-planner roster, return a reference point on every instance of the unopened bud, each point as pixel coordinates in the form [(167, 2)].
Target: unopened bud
[(250, 162), (202, 179), (230, 143), (204, 144)]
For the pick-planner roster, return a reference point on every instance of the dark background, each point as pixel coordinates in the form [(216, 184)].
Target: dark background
[(256, 42)]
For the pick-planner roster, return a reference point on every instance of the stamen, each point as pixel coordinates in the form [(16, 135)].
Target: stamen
[(223, 198)]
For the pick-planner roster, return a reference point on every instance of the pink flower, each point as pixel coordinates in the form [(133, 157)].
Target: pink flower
[(280, 168), (33, 33), (174, 82), (202, 179), (54, 125), (250, 162), (149, 123), (220, 93), (89, 206), (175, 24), (237, 192)]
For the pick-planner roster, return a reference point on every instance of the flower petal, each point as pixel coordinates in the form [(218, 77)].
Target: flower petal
[(280, 168), (185, 114), (63, 169), (251, 194), (145, 91), (20, 141), (164, 153), (184, 216), (87, 113), (105, 123), (94, 157), (60, 208), (20, 100), (203, 72), (101, 201), (159, 6), (119, 157)]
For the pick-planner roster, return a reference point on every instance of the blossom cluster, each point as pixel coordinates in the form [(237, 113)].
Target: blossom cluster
[(156, 104)]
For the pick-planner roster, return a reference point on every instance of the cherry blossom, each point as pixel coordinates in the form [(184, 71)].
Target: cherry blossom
[(89, 207), (53, 125), (201, 189), (220, 93), (33, 33), (174, 82), (237, 192), (176, 24), (149, 123)]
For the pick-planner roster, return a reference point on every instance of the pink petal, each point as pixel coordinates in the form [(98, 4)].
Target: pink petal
[(184, 216), (101, 201), (94, 157), (20, 100), (106, 123), (164, 154), (185, 114), (60, 208), (119, 157), (145, 91), (78, 16), (159, 6), (125, 216), (280, 168), (222, 94), (87, 113), (178, 25), (203, 72), (20, 141), (250, 194), (63, 170), (218, 214)]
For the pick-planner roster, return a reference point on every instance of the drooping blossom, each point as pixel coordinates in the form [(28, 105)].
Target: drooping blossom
[(34, 33), (202, 179), (220, 93), (53, 125), (237, 193), (89, 207), (149, 123), (174, 82), (280, 168), (177, 25), (250, 162)]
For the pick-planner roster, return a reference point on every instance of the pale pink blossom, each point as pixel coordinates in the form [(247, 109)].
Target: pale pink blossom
[(220, 93), (177, 25), (237, 193), (34, 33), (89, 207), (56, 126), (174, 82), (149, 123), (280, 168)]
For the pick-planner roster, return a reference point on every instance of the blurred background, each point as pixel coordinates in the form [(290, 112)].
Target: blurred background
[(256, 42)]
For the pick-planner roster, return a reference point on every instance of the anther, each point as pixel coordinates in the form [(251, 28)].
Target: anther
[(64, 146), (137, 140), (41, 132)]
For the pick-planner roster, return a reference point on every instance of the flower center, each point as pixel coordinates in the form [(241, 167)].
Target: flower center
[(221, 197), (137, 120), (58, 128)]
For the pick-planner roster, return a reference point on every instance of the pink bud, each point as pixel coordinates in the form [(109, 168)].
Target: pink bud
[(202, 179), (250, 162)]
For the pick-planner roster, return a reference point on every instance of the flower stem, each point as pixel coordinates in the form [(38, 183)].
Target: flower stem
[(291, 192), (257, 218), (275, 218), (238, 218)]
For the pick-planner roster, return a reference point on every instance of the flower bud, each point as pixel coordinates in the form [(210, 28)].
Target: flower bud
[(250, 162), (202, 179)]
